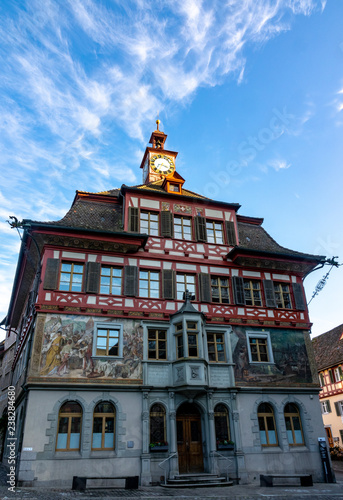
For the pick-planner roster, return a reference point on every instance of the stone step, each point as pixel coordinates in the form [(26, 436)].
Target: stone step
[(196, 480), (197, 485), (195, 474)]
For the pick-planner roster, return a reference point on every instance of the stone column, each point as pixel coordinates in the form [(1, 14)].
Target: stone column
[(239, 454), (145, 457), (212, 437), (174, 462)]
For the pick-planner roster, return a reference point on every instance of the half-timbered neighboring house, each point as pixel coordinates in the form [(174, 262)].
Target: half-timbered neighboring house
[(154, 323)]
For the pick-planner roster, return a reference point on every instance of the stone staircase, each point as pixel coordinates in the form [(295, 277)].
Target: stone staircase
[(200, 480)]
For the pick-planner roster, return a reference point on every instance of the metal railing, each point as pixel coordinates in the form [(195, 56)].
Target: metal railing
[(165, 470), (215, 453)]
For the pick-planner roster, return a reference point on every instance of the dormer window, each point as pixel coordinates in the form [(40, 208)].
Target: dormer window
[(174, 188)]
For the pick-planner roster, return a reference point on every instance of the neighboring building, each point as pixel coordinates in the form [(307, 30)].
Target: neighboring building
[(7, 352), (161, 324), (328, 349)]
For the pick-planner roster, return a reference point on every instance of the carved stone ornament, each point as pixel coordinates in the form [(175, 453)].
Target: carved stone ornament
[(145, 415), (236, 416), (145, 395), (172, 415), (195, 372), (179, 374), (211, 415), (171, 395)]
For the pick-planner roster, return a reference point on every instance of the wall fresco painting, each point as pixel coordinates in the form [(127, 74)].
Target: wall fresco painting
[(291, 364), (67, 350)]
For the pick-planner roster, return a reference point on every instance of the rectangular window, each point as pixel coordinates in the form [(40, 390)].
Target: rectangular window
[(108, 341), (321, 380), (71, 277), (332, 380), (157, 344), (214, 232), (282, 296), (326, 407), (259, 348), (179, 346), (338, 374), (148, 223), (252, 293), (216, 347), (192, 339), (182, 227), (110, 280), (220, 290), (184, 282), (149, 284)]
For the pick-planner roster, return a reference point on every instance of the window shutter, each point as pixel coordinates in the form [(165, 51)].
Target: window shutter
[(133, 219), (205, 287), (338, 408), (230, 233), (238, 290), (131, 281), (328, 405), (51, 274), (200, 228), (92, 277), (168, 283), (268, 286), (298, 296), (340, 372), (167, 224)]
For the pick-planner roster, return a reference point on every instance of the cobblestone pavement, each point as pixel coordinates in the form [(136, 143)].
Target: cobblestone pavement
[(319, 491)]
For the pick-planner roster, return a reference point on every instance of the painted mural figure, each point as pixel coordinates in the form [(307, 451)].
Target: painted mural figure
[(65, 355), (53, 354)]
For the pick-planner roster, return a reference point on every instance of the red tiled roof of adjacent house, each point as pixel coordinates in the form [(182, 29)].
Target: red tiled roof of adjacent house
[(328, 348)]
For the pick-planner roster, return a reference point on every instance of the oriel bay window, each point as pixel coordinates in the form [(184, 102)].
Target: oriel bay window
[(266, 424), (216, 347), (71, 277), (103, 426), (110, 280), (182, 227), (157, 344), (149, 284), (69, 427), (293, 425), (184, 282), (191, 348), (149, 223)]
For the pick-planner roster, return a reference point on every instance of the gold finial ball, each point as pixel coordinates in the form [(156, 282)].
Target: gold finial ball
[(157, 123)]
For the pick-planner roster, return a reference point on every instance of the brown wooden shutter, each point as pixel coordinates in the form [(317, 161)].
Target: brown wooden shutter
[(268, 286), (238, 290), (230, 233), (298, 296), (200, 228), (133, 219), (167, 224), (205, 287), (51, 274), (92, 277), (131, 281), (337, 408), (168, 283)]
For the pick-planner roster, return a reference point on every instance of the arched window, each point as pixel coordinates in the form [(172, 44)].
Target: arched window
[(157, 424), (221, 423), (266, 423), (293, 425), (103, 426), (69, 427)]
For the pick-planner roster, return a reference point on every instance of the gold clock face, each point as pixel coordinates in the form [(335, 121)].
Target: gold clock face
[(162, 164)]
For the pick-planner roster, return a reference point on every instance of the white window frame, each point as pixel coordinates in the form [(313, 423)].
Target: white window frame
[(325, 409), (260, 335), (337, 375), (112, 326)]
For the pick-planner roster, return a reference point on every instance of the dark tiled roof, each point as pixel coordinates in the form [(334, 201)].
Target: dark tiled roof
[(93, 215), (254, 237), (328, 348)]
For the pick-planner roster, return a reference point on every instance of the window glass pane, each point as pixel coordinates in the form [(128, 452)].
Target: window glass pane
[(78, 268), (62, 441)]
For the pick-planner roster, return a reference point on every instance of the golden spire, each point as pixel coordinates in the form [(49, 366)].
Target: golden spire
[(158, 123)]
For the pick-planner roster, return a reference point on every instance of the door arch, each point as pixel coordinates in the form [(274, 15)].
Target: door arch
[(189, 440)]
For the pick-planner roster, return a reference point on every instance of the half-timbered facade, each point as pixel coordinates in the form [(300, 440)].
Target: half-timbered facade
[(154, 323)]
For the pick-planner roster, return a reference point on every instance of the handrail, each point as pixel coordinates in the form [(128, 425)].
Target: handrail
[(226, 458), (165, 470)]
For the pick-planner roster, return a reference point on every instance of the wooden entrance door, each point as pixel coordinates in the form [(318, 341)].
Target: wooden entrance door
[(189, 443), (329, 435)]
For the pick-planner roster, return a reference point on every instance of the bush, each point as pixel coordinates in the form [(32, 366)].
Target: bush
[(336, 453)]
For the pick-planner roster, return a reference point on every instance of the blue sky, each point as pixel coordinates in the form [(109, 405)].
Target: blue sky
[(249, 92)]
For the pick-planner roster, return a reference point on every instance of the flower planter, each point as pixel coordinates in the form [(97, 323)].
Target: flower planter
[(158, 448), (225, 447)]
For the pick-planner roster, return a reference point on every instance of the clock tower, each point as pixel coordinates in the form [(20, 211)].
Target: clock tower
[(157, 163)]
